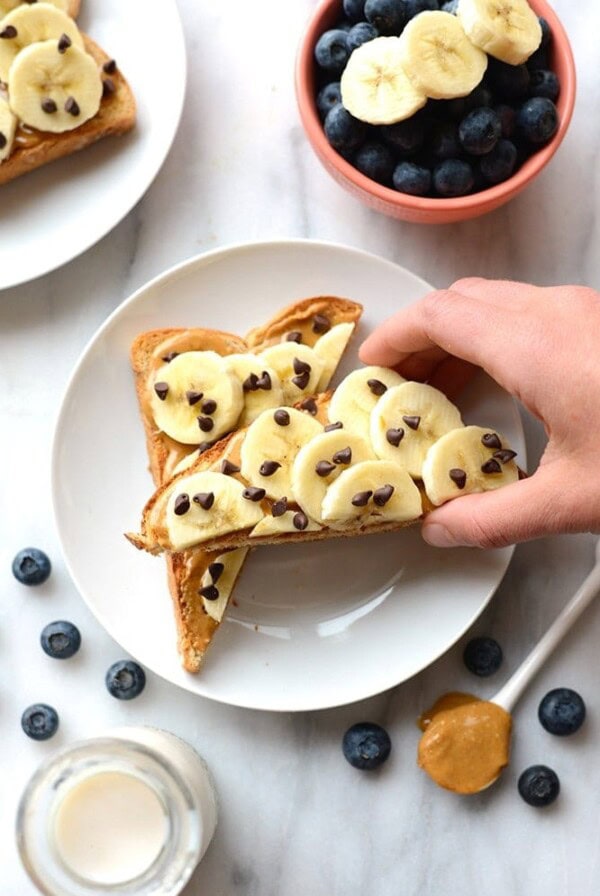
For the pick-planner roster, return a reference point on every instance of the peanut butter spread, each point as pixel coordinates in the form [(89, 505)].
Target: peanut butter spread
[(466, 742)]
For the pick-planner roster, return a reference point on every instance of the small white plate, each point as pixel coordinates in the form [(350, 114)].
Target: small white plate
[(52, 215), (313, 626)]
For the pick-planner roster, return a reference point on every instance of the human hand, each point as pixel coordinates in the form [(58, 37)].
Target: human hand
[(542, 346)]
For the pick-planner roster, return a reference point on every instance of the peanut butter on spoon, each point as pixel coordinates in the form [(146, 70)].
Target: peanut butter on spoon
[(466, 740)]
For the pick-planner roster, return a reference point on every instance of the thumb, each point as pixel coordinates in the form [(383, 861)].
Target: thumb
[(522, 511)]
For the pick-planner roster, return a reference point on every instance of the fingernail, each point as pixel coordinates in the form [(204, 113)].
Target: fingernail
[(437, 535)]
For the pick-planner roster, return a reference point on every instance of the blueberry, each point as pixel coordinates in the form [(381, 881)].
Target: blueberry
[(332, 51), (344, 132), (39, 721), (499, 164), (453, 178), (414, 7), (540, 59), (60, 640), (125, 680), (444, 142), (481, 96), (328, 97), (360, 34), (483, 656), (562, 712), (31, 566), (546, 33), (366, 745), (453, 110), (544, 83), (451, 6), (412, 179), (537, 120), (354, 10), (388, 16), (376, 161), (539, 785), (406, 137), (507, 116), (508, 82), (479, 131)]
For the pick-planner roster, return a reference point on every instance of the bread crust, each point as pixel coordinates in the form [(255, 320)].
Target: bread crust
[(195, 628), (115, 117)]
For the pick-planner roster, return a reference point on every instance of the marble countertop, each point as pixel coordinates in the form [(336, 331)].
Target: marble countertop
[(295, 817)]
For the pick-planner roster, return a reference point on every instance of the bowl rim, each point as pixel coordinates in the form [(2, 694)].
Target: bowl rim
[(387, 195)]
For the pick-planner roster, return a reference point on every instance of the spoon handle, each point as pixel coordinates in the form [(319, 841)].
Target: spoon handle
[(516, 684)]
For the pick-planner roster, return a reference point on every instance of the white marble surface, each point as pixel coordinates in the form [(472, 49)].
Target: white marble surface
[(295, 817)]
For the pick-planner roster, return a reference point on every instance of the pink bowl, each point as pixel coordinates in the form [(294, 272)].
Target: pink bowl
[(415, 208)]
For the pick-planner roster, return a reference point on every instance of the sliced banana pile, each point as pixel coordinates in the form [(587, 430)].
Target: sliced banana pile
[(53, 84), (437, 56)]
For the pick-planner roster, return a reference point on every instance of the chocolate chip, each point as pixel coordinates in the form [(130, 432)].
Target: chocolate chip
[(301, 380), (301, 366), (280, 507), (268, 467), (49, 106), (344, 456), (209, 406), (491, 440), (204, 446), (491, 466), (3, 140), (204, 499), (505, 455), (300, 521), (377, 387), (394, 436), (294, 336), (331, 426), (205, 424), (108, 87), (193, 397), (9, 32), (227, 468), (162, 390), (168, 358), (253, 494), (458, 477), (209, 592), (110, 67), (382, 495), (361, 499), (215, 570), (182, 504), (281, 417), (250, 384), (72, 107), (64, 42), (412, 422), (324, 468), (264, 381), (310, 405), (321, 324)]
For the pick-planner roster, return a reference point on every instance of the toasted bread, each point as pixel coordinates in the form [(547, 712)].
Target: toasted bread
[(186, 569), (116, 116)]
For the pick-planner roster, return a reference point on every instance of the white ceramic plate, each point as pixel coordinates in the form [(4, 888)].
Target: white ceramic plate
[(50, 216), (315, 625)]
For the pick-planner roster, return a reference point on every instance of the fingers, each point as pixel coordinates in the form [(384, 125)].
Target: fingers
[(528, 509)]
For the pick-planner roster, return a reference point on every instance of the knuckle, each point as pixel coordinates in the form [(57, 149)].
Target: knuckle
[(484, 536)]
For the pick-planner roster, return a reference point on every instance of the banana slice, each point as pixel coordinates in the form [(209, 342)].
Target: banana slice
[(439, 58), (279, 525), (8, 126), (299, 369), (407, 420), (506, 29), (195, 399), (275, 438), (465, 461), (357, 394), (261, 385), (219, 580), (330, 347), (372, 492), (320, 462), (7, 6), (31, 23), (375, 87), (207, 505)]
